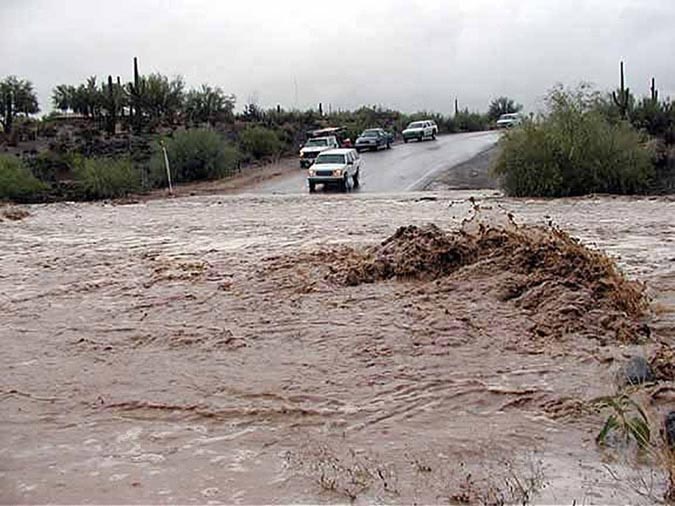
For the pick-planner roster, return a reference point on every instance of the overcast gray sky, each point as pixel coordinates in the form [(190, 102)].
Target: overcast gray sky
[(404, 54)]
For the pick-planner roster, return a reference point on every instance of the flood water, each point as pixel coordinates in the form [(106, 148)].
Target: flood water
[(185, 351)]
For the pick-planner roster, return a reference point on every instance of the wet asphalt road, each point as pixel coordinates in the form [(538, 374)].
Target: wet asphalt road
[(404, 167)]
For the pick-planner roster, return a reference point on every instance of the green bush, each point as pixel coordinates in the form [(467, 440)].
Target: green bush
[(655, 118), (465, 121), (48, 165), (194, 155), (260, 142), (107, 178), (17, 182), (574, 150)]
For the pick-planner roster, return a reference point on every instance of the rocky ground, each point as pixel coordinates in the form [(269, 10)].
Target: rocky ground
[(472, 174)]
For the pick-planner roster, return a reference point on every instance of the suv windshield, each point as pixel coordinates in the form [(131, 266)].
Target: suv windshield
[(330, 159), (416, 124), (317, 142), (370, 133)]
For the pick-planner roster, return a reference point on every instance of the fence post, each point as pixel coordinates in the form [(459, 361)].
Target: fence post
[(166, 164)]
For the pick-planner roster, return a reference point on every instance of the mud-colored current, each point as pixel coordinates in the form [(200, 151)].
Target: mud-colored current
[(206, 350)]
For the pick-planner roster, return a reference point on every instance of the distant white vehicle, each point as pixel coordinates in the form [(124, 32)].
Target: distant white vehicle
[(335, 166), (314, 146), (420, 130), (509, 120)]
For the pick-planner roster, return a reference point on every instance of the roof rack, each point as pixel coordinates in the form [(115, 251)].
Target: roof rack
[(323, 132)]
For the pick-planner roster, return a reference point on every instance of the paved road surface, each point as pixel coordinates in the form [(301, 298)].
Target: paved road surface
[(404, 167)]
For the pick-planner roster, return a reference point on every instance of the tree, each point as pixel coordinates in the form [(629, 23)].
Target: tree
[(160, 97), (86, 99), (62, 97), (252, 112), (16, 97), (208, 105), (502, 105), (94, 97)]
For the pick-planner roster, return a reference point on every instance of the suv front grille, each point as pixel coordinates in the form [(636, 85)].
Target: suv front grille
[(324, 173)]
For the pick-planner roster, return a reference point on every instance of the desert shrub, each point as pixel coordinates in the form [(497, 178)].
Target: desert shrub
[(260, 142), (574, 150), (107, 178), (16, 180), (49, 165), (655, 118), (466, 121), (194, 155)]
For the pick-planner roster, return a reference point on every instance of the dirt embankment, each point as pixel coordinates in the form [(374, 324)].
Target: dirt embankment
[(471, 175), (249, 177)]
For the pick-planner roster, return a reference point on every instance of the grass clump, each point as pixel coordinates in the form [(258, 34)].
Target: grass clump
[(626, 418), (16, 180), (628, 421), (573, 150), (194, 155)]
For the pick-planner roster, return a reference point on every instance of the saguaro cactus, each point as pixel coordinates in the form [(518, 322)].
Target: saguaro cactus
[(654, 92), (622, 99), (136, 90), (136, 76), (120, 92), (9, 112), (112, 107)]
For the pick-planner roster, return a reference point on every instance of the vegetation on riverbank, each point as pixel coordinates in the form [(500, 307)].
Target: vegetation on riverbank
[(587, 142), (572, 151), (107, 125), (16, 180)]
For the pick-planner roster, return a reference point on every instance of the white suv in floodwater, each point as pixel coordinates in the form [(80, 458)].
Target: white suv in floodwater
[(335, 167), (420, 130)]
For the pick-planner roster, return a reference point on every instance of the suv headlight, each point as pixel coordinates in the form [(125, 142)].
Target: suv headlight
[(337, 172), (311, 172)]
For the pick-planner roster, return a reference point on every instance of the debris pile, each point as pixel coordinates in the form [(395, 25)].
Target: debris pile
[(563, 284), (14, 214)]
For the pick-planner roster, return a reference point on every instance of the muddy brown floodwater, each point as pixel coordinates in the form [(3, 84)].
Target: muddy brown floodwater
[(209, 349)]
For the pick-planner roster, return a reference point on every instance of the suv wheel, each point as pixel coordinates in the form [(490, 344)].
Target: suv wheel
[(405, 140), (312, 187), (355, 180), (343, 185), (433, 136)]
